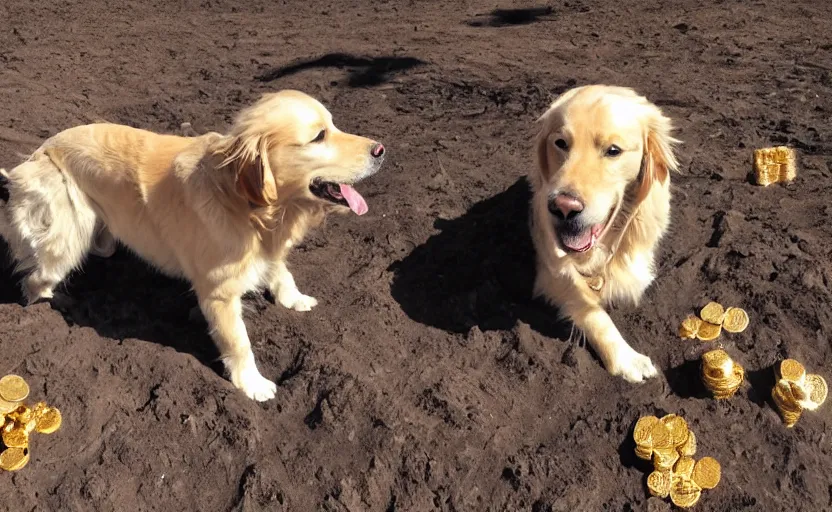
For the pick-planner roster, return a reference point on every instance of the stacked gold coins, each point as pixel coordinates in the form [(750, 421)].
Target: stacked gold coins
[(721, 375), (671, 446), (712, 319), (19, 421), (796, 391), (774, 165)]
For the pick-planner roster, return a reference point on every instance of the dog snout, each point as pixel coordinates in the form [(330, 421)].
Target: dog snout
[(377, 150), (565, 206)]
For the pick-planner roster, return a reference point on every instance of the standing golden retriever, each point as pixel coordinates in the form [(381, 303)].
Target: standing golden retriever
[(221, 211), (601, 203)]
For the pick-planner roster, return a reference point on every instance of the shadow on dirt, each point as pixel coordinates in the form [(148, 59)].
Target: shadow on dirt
[(479, 271), (122, 297), (363, 71), (512, 17)]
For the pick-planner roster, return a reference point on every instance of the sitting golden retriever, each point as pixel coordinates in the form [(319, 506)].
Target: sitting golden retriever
[(600, 205), (221, 211)]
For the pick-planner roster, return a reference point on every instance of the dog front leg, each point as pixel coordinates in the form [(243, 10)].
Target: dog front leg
[(586, 313), (225, 320), (286, 292)]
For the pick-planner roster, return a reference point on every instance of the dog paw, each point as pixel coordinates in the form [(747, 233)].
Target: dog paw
[(634, 367), (297, 301), (254, 385)]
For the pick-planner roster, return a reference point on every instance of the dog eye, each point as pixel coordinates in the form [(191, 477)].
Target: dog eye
[(320, 136), (613, 151), (562, 144)]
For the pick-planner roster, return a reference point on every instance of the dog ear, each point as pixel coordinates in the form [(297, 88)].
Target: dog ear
[(248, 157), (659, 159)]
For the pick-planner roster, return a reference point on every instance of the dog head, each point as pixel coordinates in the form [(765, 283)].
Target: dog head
[(285, 147), (599, 147)]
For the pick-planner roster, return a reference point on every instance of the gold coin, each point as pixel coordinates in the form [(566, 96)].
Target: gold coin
[(690, 326), (688, 449), (13, 388), (678, 428), (665, 458), (713, 313), (817, 390), (684, 493), (660, 436), (736, 320), (49, 421), (13, 459), (644, 453), (642, 432), (21, 415), (707, 472), (717, 358), (684, 466), (792, 370), (789, 409), (7, 407), (709, 331), (658, 483), (16, 437)]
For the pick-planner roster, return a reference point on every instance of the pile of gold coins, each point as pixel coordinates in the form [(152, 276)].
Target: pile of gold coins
[(721, 375), (712, 319), (19, 421), (671, 446), (775, 165), (796, 391)]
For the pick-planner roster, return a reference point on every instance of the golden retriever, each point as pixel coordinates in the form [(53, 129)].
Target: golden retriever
[(221, 211), (600, 205)]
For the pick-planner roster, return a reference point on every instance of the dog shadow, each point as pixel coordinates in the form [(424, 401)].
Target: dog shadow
[(512, 17), (478, 271), (363, 71), (121, 297)]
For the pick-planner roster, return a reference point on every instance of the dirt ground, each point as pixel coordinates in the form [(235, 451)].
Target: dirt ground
[(427, 379)]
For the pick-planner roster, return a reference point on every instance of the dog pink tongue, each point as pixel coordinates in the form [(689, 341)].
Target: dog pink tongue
[(579, 243), (354, 199)]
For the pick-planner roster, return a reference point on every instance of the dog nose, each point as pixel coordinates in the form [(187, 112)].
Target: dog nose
[(377, 150), (565, 206)]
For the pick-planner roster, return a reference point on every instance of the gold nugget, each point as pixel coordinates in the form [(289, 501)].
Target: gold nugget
[(13, 388), (13, 459), (658, 483), (713, 313), (690, 326), (707, 472), (735, 320), (773, 165)]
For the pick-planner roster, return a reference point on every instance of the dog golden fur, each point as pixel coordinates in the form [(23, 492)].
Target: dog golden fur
[(600, 205), (221, 211)]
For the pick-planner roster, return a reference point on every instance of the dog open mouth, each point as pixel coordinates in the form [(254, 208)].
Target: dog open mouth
[(574, 236), (580, 240), (339, 193)]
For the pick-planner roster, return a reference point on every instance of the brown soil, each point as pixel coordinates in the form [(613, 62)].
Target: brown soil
[(426, 379)]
